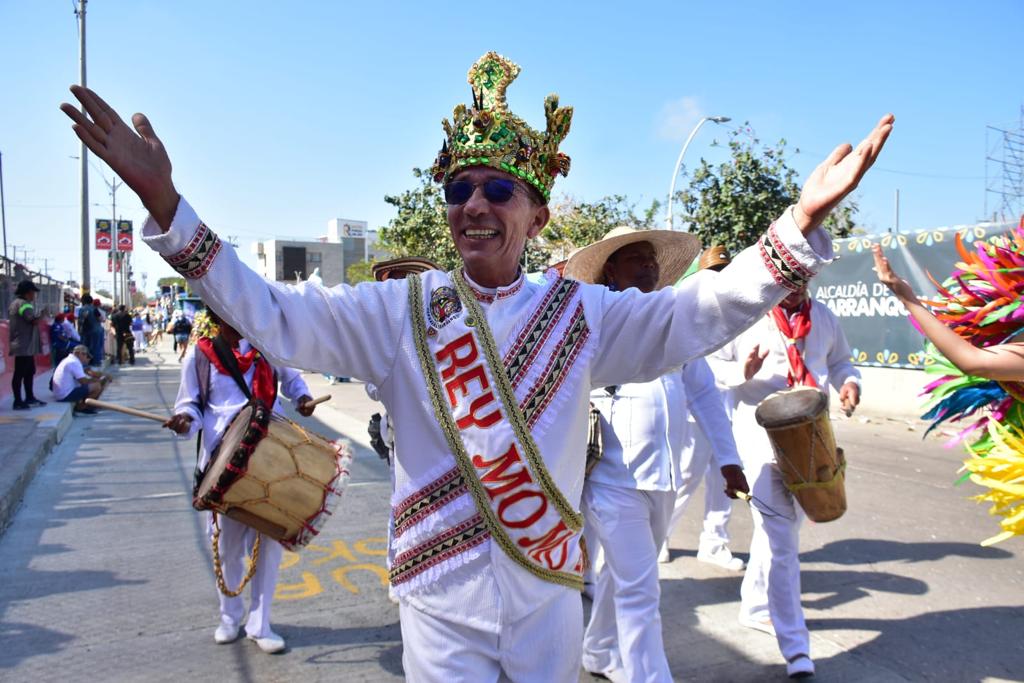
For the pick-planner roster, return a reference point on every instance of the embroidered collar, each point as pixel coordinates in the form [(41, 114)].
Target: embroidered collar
[(488, 295)]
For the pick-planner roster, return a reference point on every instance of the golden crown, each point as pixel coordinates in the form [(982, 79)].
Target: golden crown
[(488, 134)]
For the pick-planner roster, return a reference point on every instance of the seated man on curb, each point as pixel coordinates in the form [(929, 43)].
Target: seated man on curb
[(73, 382)]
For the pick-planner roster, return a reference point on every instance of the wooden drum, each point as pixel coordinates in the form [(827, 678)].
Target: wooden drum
[(271, 474), (813, 468)]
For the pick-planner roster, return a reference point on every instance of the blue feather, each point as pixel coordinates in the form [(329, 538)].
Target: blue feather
[(964, 402)]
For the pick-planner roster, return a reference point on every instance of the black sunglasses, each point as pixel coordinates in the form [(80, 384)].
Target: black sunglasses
[(496, 190)]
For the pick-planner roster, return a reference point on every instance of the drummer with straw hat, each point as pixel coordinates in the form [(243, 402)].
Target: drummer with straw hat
[(630, 493), (486, 373)]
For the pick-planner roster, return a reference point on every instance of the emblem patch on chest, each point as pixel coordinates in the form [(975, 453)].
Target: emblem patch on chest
[(444, 306)]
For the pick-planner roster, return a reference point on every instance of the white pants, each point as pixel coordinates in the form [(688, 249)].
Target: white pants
[(717, 506), (771, 584), (542, 647), (140, 339), (236, 541), (625, 625)]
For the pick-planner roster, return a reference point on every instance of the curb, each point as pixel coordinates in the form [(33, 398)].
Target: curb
[(28, 462)]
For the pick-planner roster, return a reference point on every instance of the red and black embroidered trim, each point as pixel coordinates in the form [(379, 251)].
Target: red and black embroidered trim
[(431, 497), (568, 348), (195, 259), (458, 539), (520, 357), (785, 268)]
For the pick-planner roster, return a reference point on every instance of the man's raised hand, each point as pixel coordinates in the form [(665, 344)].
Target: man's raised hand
[(137, 156), (839, 175)]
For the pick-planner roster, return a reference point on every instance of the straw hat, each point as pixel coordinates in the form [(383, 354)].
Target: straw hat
[(714, 256), (409, 264), (673, 250)]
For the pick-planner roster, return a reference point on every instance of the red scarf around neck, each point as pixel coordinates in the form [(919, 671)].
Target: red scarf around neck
[(264, 384), (799, 375)]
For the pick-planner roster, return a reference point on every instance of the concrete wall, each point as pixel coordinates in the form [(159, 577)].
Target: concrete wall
[(892, 392)]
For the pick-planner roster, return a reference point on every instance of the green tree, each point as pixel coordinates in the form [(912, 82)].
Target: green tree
[(360, 271), (733, 203), (421, 226), (575, 223)]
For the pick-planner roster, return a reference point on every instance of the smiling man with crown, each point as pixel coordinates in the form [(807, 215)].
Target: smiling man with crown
[(486, 374)]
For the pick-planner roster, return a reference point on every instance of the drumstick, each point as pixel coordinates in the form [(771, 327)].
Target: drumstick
[(317, 401), (93, 403)]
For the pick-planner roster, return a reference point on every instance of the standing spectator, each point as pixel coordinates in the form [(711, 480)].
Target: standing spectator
[(24, 342), (147, 329), (90, 329), (61, 342), (121, 322), (181, 329)]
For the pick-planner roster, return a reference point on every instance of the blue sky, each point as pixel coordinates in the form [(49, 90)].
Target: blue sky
[(280, 116)]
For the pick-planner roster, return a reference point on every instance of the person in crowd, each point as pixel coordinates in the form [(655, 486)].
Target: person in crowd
[(181, 328), (121, 322), (490, 443), (61, 342), (800, 343), (73, 381), (697, 465), (208, 400), (630, 492), (90, 329), (24, 345)]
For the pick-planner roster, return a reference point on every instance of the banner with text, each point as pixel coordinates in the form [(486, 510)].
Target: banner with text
[(104, 240), (125, 241), (874, 321)]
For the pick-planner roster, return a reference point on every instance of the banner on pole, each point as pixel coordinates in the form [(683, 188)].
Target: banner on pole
[(104, 240), (114, 265), (125, 240)]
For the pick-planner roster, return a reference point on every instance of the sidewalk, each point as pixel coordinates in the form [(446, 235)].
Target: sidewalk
[(26, 438)]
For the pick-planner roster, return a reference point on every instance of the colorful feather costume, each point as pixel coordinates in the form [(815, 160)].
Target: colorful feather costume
[(982, 302)]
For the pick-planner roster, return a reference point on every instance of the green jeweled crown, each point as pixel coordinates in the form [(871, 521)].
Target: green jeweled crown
[(488, 134)]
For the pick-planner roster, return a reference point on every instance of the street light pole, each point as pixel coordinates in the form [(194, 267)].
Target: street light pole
[(679, 164), (86, 251)]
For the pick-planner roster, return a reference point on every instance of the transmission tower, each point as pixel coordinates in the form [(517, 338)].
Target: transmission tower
[(1004, 171)]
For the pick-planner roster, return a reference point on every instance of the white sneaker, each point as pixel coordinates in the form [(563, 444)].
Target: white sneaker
[(270, 643), (225, 633), (764, 624), (800, 667), (663, 555), (720, 556)]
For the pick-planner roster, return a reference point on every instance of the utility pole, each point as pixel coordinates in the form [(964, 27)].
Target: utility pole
[(3, 214), (113, 229), (86, 247), (896, 220)]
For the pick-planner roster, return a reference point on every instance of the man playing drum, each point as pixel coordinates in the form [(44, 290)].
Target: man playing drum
[(631, 491), (799, 343), (208, 400), (486, 374)]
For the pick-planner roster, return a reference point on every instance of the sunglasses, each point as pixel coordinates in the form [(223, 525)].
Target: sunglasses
[(496, 190)]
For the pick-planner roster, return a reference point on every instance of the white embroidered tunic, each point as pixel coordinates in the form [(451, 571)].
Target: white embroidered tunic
[(645, 430), (366, 332)]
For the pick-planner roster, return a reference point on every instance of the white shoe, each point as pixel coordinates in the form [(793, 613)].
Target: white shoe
[(721, 556), (225, 633), (764, 624), (270, 643), (800, 667), (663, 556)]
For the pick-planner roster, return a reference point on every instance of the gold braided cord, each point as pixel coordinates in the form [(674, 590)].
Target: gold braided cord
[(572, 519), (458, 449), (220, 572)]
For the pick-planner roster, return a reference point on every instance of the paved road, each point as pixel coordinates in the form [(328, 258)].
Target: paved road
[(105, 571)]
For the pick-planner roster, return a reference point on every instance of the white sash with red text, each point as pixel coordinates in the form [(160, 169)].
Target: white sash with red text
[(487, 406)]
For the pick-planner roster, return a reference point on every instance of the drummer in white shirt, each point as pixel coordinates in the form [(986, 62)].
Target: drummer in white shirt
[(208, 400), (630, 493), (799, 343)]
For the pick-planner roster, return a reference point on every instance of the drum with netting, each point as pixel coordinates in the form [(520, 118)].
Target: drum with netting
[(813, 468), (271, 474)]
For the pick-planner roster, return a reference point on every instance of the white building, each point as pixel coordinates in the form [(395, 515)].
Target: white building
[(346, 242)]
